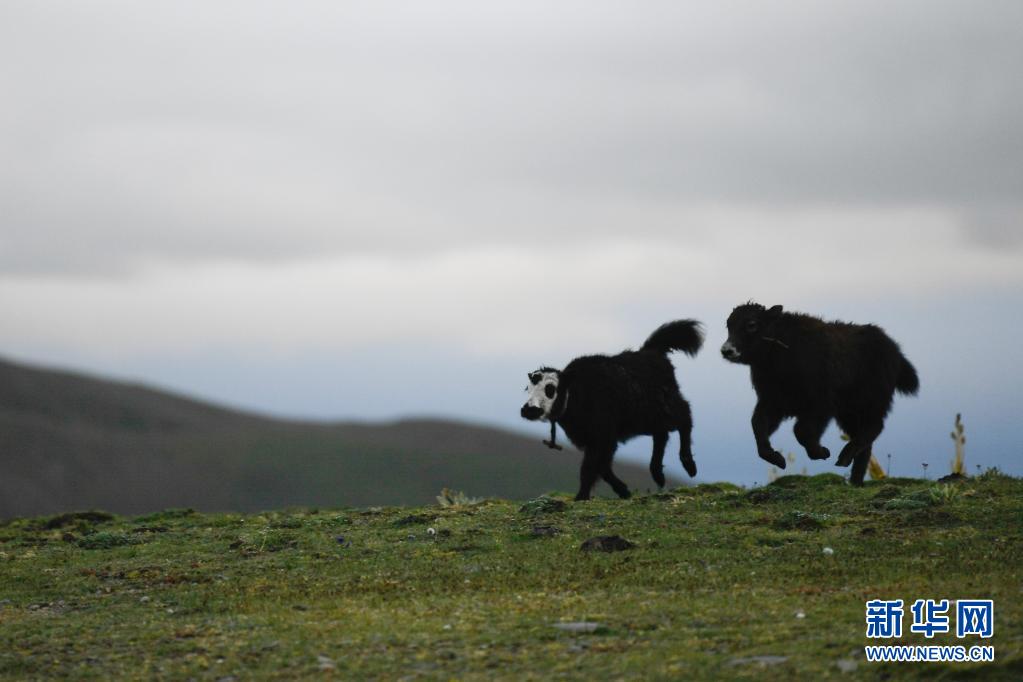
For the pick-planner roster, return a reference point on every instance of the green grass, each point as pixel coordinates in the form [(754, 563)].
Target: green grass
[(718, 574)]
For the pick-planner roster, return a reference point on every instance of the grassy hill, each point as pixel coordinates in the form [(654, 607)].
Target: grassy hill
[(721, 583), (69, 441)]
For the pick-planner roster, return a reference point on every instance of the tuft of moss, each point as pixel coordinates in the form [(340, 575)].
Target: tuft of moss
[(414, 520), (930, 517), (85, 518), (769, 494), (808, 482), (888, 492), (711, 489), (543, 505), (105, 540), (906, 504), (801, 520), (165, 515)]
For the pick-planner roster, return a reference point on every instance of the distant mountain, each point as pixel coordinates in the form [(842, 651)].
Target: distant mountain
[(69, 441)]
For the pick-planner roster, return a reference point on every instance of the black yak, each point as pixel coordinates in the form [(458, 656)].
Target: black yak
[(601, 401), (816, 371)]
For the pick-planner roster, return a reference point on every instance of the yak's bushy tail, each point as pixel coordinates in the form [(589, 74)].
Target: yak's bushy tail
[(683, 335), (907, 383)]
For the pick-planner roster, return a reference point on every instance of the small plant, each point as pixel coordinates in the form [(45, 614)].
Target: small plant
[(993, 473), (273, 540), (455, 498), (944, 493), (959, 438), (266, 540)]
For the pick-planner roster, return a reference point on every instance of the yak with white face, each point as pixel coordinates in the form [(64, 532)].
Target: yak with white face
[(603, 400), (543, 391)]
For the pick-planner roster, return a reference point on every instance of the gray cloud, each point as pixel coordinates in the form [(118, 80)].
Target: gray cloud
[(189, 131), (995, 227)]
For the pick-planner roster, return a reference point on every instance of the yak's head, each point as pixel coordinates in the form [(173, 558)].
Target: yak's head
[(746, 330), (543, 391)]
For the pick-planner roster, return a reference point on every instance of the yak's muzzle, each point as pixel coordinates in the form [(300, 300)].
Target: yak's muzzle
[(730, 352), (531, 412)]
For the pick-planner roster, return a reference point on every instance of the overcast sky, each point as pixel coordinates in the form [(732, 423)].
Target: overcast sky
[(373, 209)]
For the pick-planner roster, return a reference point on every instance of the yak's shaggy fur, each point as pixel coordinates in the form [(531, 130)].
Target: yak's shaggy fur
[(601, 401), (817, 371)]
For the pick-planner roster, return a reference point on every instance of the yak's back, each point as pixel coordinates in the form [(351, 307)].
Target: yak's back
[(844, 354), (630, 379)]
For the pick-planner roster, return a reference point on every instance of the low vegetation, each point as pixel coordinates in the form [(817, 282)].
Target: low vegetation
[(708, 582)]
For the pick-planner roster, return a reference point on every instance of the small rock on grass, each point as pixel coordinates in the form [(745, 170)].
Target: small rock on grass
[(847, 665), (606, 543)]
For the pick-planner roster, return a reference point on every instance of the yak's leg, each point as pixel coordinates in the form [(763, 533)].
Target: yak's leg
[(857, 450), (808, 430), (765, 422), (657, 458), (859, 469), (616, 483), (593, 465), (684, 420), (862, 434)]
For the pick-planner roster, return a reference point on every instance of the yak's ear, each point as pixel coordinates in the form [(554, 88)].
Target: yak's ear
[(775, 311)]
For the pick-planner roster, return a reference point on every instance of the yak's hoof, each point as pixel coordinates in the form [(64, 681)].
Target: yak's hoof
[(552, 445), (624, 494), (658, 477), (774, 457), (581, 497), (820, 453), (690, 466)]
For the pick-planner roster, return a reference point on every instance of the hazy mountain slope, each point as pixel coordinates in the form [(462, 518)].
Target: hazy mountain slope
[(69, 441)]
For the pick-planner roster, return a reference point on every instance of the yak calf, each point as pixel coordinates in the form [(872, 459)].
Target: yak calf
[(602, 400), (816, 371)]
